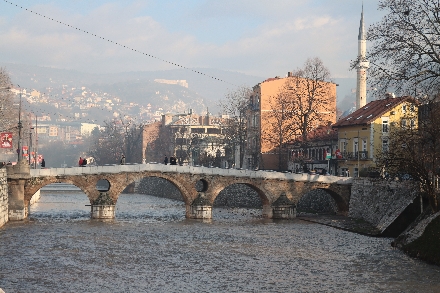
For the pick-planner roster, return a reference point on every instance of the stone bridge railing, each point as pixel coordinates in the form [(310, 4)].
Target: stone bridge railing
[(114, 169)]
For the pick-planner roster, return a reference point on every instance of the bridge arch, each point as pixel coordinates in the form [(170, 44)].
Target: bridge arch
[(340, 195), (31, 188), (187, 188), (239, 195)]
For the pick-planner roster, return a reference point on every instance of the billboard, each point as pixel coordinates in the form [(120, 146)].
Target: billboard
[(6, 140)]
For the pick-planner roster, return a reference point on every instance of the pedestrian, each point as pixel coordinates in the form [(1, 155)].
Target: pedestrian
[(165, 161), (84, 162), (123, 160), (348, 173), (43, 163), (80, 162)]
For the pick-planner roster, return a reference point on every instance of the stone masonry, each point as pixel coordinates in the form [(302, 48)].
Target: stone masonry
[(267, 185), (380, 202), (3, 197)]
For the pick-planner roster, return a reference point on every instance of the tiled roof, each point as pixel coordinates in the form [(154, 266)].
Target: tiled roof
[(370, 112)]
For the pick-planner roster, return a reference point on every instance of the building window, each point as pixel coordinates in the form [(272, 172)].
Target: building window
[(343, 146), (364, 145), (403, 123), (385, 126), (404, 109), (412, 108), (413, 123), (385, 145)]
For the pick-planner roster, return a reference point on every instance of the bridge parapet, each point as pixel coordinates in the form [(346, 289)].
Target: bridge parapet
[(114, 169)]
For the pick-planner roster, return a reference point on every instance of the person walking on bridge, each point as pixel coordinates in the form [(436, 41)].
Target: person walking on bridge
[(165, 161), (123, 160), (80, 162)]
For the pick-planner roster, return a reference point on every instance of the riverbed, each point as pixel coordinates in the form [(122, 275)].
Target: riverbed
[(151, 247)]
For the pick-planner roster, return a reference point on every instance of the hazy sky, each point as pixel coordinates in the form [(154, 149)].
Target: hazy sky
[(256, 37)]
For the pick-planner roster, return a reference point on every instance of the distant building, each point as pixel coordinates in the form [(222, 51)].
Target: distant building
[(87, 128), (196, 139), (168, 81)]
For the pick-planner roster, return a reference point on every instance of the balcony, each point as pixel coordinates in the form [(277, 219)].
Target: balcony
[(354, 155)]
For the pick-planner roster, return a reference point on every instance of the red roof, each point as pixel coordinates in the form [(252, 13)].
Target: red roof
[(370, 112)]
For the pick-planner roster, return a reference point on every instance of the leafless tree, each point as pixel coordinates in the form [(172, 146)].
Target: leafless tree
[(414, 149), (235, 105), (8, 117), (405, 53), (119, 137), (305, 101)]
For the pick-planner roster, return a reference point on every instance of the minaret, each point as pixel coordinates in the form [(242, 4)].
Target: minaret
[(362, 65)]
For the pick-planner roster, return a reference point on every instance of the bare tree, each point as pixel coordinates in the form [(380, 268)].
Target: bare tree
[(405, 54), (306, 100), (8, 117), (235, 105), (414, 149), (280, 130), (119, 137)]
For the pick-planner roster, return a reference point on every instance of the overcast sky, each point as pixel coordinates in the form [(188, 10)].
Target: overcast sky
[(257, 37)]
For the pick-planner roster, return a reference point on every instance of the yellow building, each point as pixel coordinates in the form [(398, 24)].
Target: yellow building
[(364, 133)]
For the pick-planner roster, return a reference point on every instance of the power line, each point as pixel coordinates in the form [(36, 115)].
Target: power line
[(119, 44)]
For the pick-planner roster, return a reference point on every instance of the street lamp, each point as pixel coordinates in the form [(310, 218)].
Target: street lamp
[(20, 126)]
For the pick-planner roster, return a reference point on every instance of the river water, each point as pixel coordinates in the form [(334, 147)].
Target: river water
[(151, 247)]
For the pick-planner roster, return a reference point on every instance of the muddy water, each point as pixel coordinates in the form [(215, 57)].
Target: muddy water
[(151, 247)]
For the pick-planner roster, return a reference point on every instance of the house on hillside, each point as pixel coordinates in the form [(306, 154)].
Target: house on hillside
[(365, 132)]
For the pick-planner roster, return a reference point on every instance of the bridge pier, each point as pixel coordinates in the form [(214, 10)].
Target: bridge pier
[(17, 176), (283, 208), (103, 207), (102, 211), (201, 208)]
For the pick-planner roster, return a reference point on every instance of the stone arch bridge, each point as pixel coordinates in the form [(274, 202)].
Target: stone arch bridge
[(199, 186)]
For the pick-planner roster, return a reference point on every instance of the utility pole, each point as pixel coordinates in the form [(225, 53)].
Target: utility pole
[(20, 126)]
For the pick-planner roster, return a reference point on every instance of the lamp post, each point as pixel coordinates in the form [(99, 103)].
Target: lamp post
[(30, 147), (358, 151), (20, 126)]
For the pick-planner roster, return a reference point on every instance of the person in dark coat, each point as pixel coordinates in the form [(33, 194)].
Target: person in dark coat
[(123, 160), (43, 163), (165, 161), (84, 162)]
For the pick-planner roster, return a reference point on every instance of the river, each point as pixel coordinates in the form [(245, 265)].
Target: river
[(152, 247)]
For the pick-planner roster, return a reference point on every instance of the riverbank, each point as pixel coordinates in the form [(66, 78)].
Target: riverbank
[(343, 223), (422, 239)]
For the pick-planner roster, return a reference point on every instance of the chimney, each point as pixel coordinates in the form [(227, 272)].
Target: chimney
[(289, 74)]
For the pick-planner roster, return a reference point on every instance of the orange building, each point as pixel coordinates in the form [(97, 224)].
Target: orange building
[(277, 109)]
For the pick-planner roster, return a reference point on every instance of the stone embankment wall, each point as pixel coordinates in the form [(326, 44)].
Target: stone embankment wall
[(380, 202), (3, 197), (422, 238)]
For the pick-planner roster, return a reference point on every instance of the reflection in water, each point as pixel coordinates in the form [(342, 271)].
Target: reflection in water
[(151, 247)]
